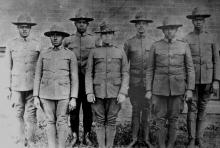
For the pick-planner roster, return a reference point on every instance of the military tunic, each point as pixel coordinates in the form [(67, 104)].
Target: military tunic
[(107, 72), (56, 75), (20, 59), (171, 69)]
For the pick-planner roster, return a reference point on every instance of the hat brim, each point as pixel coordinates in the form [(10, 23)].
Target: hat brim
[(50, 33), (104, 32), (23, 23), (198, 16), (169, 26), (135, 21), (82, 18)]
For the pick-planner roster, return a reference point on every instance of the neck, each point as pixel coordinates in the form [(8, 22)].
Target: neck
[(141, 34), (198, 30), (56, 48), (81, 33)]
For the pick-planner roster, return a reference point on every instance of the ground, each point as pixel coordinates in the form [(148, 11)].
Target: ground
[(123, 136)]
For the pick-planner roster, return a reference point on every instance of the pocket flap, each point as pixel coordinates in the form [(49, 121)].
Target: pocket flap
[(209, 65)]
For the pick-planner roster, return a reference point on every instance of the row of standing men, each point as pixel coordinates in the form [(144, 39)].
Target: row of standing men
[(157, 77)]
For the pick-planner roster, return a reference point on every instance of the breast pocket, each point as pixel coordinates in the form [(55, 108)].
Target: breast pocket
[(99, 62), (161, 58), (63, 64), (178, 59), (46, 63), (194, 49)]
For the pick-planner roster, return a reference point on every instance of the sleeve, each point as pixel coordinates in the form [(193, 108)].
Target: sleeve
[(8, 66), (89, 74), (150, 69), (215, 51), (127, 49), (189, 69), (74, 76), (38, 75), (125, 74)]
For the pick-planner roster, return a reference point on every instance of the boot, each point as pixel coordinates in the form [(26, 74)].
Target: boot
[(133, 143), (161, 135), (100, 133), (191, 143), (86, 139), (146, 135), (199, 133), (51, 135), (191, 127), (110, 136), (171, 134), (199, 143), (61, 135), (75, 141)]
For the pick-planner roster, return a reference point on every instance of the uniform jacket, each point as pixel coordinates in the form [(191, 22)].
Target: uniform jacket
[(137, 49), (107, 72), (81, 45), (170, 70), (20, 61), (56, 74), (205, 57)]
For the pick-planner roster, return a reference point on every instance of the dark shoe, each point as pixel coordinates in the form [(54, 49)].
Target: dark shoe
[(75, 142), (199, 143), (148, 144), (191, 143), (133, 143), (86, 139)]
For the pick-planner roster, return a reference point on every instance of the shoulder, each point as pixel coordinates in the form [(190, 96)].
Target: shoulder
[(130, 40), (158, 43)]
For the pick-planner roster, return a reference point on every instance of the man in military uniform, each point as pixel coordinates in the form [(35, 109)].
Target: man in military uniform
[(205, 55), (81, 43), (137, 49), (107, 81), (21, 58), (56, 85), (170, 74)]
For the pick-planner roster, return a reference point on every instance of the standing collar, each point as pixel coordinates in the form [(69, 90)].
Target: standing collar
[(169, 41), (24, 39), (141, 36), (81, 35)]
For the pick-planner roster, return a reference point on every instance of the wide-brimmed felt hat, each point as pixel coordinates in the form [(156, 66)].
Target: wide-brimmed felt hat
[(24, 19), (198, 13), (104, 27), (140, 16), (55, 29), (170, 22), (82, 15)]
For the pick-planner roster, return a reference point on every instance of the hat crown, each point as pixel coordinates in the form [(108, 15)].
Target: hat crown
[(170, 21), (199, 11), (56, 28), (24, 18), (105, 27), (140, 15), (82, 14)]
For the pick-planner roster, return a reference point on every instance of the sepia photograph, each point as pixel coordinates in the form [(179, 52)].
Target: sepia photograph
[(109, 74)]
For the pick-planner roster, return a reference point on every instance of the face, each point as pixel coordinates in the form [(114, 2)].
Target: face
[(56, 40), (141, 26), (81, 26), (170, 33), (107, 37), (24, 30), (198, 23)]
